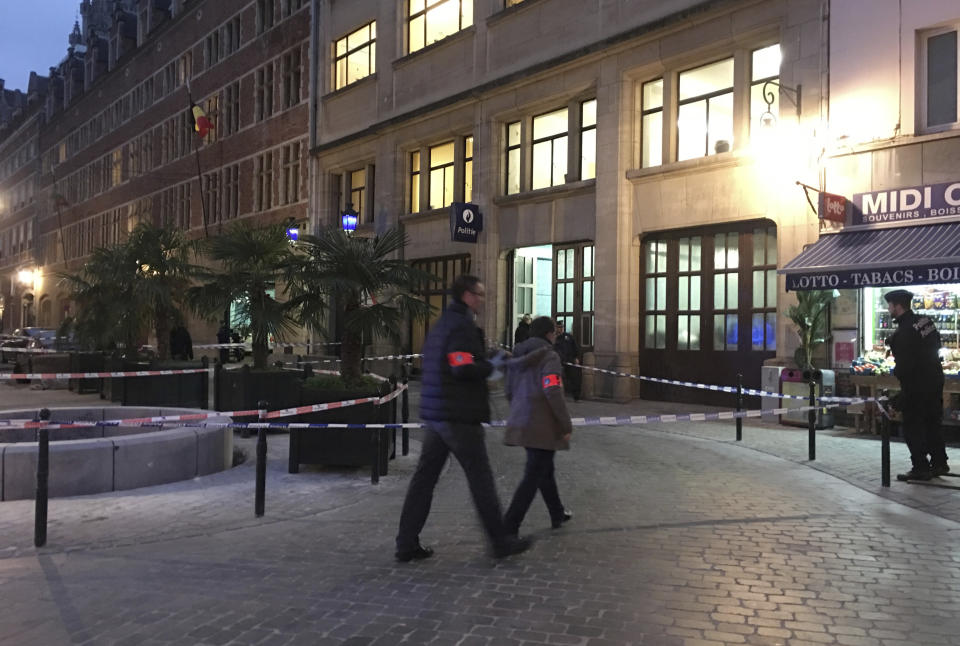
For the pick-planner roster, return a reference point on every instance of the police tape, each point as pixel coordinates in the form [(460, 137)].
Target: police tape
[(722, 389), (632, 420), (100, 375), (386, 357), (272, 344), (194, 417), (15, 350)]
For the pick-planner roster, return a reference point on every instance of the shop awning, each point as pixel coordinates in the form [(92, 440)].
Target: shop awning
[(903, 256)]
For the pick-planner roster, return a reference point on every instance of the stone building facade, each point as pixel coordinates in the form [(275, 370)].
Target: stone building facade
[(614, 150)]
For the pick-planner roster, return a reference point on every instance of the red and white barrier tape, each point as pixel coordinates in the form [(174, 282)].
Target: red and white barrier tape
[(99, 375)]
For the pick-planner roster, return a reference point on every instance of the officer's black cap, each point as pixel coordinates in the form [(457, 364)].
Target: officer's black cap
[(901, 296)]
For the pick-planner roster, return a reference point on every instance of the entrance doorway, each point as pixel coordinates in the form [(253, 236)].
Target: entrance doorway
[(556, 281)]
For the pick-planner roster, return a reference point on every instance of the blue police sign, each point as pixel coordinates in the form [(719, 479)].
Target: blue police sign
[(466, 222)]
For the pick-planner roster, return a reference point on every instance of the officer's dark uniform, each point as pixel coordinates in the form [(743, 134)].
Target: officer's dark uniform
[(915, 345), (566, 346), (454, 403)]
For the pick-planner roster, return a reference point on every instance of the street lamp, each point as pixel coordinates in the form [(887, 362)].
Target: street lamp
[(768, 119), (348, 219), (26, 276)]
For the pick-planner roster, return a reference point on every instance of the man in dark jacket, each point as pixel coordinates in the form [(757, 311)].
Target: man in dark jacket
[(566, 346), (523, 330), (453, 404), (915, 345)]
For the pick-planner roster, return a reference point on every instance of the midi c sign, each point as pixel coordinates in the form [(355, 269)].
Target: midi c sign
[(906, 204)]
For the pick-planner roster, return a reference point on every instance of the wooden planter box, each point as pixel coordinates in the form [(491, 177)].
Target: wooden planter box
[(242, 389), (186, 391), (344, 446), (85, 362)]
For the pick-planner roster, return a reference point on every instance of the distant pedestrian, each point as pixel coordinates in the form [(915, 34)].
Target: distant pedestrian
[(181, 345), (569, 351), (523, 330), (915, 345), (223, 336), (454, 402), (539, 421)]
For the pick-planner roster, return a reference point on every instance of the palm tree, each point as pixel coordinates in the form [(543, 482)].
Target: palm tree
[(368, 288), (125, 289), (163, 276), (250, 262), (110, 310)]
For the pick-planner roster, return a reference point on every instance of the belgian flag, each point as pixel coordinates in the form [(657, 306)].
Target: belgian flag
[(201, 124)]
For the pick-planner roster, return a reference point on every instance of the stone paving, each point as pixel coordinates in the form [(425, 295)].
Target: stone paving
[(681, 536)]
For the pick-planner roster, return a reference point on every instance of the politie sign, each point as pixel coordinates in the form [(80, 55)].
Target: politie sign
[(906, 204), (466, 222)]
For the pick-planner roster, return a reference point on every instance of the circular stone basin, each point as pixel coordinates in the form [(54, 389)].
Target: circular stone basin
[(96, 459)]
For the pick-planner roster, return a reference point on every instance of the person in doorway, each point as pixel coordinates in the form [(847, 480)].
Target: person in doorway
[(223, 336), (454, 402), (566, 346), (915, 345), (539, 422), (523, 330), (181, 345)]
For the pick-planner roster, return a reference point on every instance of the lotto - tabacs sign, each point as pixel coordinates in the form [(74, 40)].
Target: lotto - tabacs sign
[(466, 222), (856, 278), (906, 204)]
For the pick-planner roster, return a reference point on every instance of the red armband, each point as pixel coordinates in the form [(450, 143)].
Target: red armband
[(456, 359), (551, 380)]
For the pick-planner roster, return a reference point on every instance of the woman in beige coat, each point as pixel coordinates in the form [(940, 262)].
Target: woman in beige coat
[(539, 421)]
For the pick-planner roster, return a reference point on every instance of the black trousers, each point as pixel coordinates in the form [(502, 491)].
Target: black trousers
[(922, 416), (468, 445), (537, 475), (572, 377)]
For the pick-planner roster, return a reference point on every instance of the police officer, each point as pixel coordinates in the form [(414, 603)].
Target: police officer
[(915, 345), (453, 404)]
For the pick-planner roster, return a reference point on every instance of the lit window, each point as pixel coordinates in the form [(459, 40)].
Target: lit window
[(355, 56), (358, 182), (705, 114), (549, 149), (939, 98), (415, 181), (588, 139), (652, 123), (726, 291), (764, 311), (512, 173), (441, 175), (688, 293), (468, 170), (433, 20), (655, 295)]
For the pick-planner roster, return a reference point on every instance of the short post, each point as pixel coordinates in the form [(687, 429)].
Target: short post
[(260, 495), (405, 411), (307, 370), (375, 469), (208, 384), (884, 445), (393, 419), (43, 473), (739, 406), (812, 420)]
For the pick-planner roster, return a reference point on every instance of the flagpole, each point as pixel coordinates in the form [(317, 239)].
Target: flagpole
[(196, 154), (56, 205)]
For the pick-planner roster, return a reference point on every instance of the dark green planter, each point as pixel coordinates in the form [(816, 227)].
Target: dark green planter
[(349, 446), (242, 389)]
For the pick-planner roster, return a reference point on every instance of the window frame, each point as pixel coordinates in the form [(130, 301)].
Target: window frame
[(370, 44), (923, 73), (552, 139), (431, 5), (707, 98)]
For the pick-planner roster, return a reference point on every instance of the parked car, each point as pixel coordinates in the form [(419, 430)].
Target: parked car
[(23, 338)]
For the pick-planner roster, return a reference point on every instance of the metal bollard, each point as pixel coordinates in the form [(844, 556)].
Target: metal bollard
[(43, 474), (812, 421), (739, 406), (405, 411), (260, 495), (884, 445), (375, 469)]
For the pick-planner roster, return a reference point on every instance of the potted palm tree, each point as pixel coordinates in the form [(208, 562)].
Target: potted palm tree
[(248, 266), (809, 316), (367, 288)]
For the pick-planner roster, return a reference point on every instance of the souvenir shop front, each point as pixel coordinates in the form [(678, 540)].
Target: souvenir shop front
[(898, 239)]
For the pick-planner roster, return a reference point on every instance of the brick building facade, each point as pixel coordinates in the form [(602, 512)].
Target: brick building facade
[(112, 140)]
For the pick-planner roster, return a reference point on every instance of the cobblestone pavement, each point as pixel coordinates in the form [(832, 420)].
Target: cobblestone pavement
[(680, 536)]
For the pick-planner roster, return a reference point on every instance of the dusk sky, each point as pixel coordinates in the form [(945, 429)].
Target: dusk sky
[(33, 37)]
